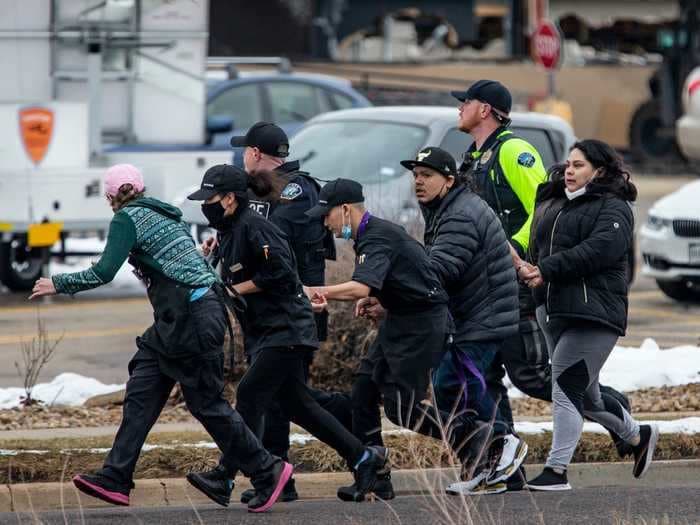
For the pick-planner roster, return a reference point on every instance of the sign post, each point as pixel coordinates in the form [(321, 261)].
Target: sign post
[(546, 50)]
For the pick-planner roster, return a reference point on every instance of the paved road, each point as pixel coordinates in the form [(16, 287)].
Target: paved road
[(619, 506), (99, 327)]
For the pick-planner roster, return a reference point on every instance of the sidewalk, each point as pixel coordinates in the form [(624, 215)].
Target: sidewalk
[(35, 497)]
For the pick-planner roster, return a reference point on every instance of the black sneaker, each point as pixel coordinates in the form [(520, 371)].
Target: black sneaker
[(269, 485), (215, 484), (366, 473), (549, 480), (289, 493), (644, 452), (517, 481), (102, 487), (383, 489)]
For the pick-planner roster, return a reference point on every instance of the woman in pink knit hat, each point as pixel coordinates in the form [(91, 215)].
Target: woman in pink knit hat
[(184, 345)]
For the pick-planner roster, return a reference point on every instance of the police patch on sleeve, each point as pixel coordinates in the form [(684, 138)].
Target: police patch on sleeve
[(526, 159), (291, 191)]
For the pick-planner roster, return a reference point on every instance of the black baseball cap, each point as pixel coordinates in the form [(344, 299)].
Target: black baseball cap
[(335, 193), (435, 158), (490, 91), (222, 178), (267, 137)]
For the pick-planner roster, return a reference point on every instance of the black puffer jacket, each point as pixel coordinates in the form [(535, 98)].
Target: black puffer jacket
[(582, 248), (469, 252)]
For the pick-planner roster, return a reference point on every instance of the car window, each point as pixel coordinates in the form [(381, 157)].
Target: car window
[(341, 101), (325, 102), (241, 103), (292, 102), (366, 151), (457, 142)]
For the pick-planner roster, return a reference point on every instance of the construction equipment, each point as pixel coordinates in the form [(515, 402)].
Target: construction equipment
[(652, 129)]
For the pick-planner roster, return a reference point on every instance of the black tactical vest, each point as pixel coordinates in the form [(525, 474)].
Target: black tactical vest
[(484, 173)]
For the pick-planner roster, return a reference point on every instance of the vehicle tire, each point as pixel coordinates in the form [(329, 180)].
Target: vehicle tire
[(20, 266), (680, 291), (647, 143)]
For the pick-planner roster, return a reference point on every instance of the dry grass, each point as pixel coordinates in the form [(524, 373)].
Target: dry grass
[(409, 451)]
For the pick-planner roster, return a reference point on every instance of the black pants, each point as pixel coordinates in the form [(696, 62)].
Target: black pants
[(279, 373), (276, 434), (147, 391), (403, 407)]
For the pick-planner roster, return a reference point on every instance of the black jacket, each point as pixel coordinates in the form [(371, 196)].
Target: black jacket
[(469, 252), (582, 248), (252, 248)]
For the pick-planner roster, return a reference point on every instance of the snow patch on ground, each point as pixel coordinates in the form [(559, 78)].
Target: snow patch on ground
[(631, 368), (66, 389)]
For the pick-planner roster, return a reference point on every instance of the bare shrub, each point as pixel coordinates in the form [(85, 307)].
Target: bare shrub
[(35, 354)]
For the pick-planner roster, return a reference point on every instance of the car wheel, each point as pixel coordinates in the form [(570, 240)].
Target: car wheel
[(20, 266), (680, 290), (648, 142)]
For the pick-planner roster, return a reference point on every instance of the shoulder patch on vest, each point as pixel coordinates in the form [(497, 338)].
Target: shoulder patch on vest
[(291, 191), (526, 159)]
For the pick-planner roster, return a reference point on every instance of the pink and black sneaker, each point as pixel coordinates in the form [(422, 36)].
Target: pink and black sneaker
[(101, 487), (269, 485)]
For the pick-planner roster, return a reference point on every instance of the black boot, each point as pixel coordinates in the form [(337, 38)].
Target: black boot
[(215, 484), (289, 493), (366, 474), (383, 489), (268, 486)]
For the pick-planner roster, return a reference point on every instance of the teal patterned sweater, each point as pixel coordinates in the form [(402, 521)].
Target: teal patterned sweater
[(154, 233)]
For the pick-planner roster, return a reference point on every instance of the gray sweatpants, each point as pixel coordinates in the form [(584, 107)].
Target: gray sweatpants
[(578, 353)]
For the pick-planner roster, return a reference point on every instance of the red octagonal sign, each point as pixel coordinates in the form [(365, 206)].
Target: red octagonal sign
[(546, 44)]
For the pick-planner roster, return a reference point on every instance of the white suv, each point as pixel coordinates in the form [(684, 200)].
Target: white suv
[(670, 243)]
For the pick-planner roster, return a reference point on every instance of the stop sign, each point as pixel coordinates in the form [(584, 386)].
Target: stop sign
[(546, 44)]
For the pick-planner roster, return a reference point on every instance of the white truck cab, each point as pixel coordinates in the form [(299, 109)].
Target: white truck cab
[(88, 84)]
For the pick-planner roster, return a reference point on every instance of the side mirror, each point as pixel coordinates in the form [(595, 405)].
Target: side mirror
[(219, 124)]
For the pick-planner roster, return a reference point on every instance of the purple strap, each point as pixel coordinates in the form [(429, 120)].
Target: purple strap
[(363, 223), (463, 361)]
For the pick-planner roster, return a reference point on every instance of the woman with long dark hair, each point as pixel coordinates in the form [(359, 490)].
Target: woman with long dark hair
[(583, 242)]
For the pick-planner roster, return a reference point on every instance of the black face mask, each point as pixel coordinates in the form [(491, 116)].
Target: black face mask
[(214, 212)]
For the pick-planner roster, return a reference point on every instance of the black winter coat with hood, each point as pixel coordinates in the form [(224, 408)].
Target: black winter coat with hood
[(469, 252), (582, 247)]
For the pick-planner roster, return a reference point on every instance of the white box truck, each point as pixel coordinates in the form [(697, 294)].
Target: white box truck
[(87, 84)]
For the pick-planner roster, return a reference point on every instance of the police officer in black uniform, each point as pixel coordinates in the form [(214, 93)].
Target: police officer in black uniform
[(394, 268), (278, 327), (293, 193)]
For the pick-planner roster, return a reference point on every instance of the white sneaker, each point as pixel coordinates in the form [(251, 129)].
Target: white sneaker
[(476, 486), (465, 487), (514, 452)]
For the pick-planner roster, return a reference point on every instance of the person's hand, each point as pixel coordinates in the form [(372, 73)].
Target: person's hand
[(43, 286), (360, 306), (370, 308), (209, 245), (526, 271), (531, 275), (535, 282), (310, 291), (318, 302)]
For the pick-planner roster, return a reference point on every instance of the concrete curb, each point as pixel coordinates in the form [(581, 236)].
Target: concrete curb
[(35, 497)]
